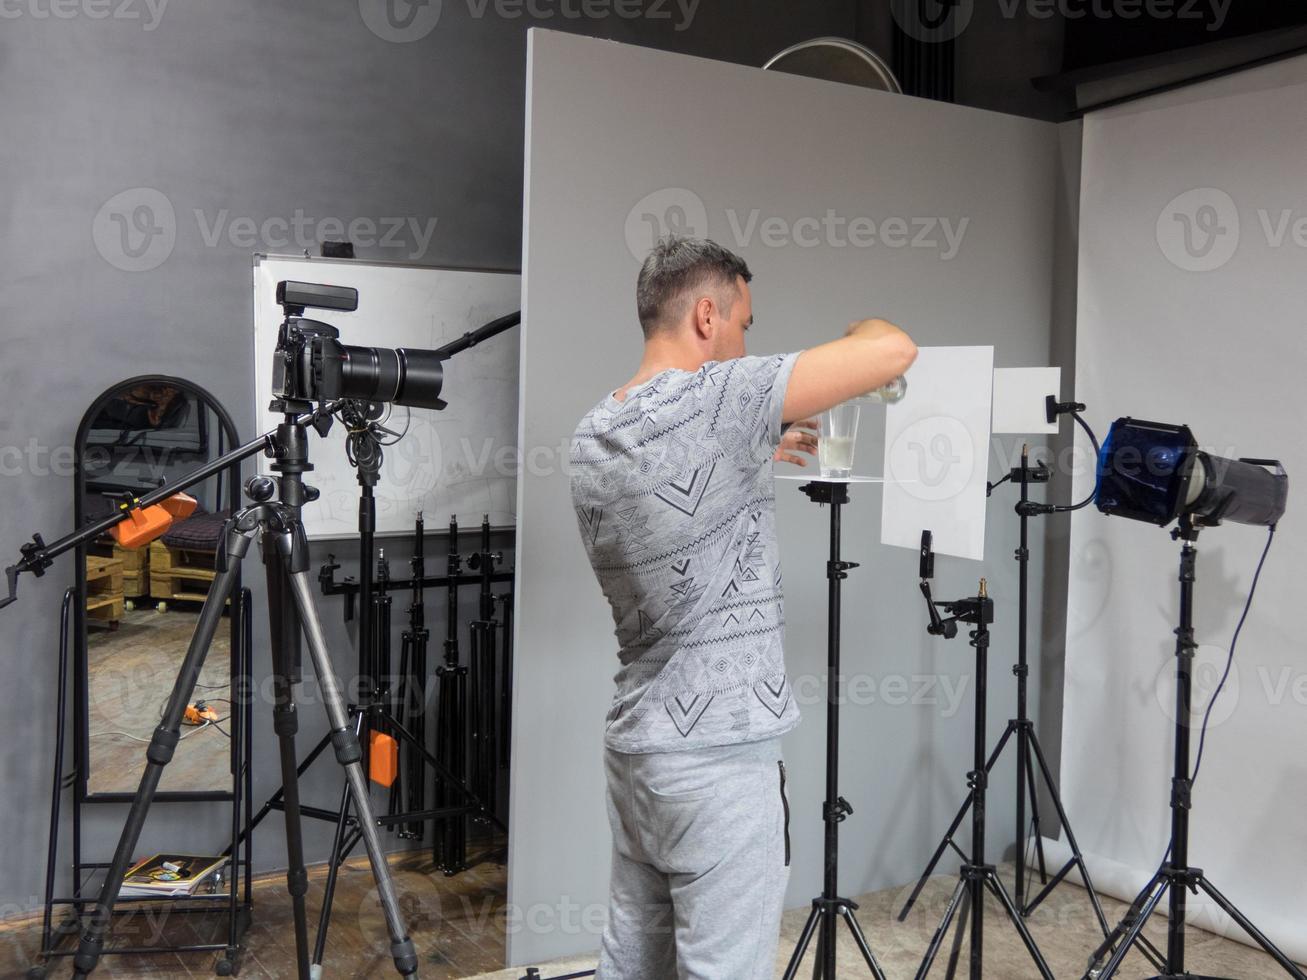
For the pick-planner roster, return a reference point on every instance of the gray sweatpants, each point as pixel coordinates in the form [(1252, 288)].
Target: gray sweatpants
[(700, 863)]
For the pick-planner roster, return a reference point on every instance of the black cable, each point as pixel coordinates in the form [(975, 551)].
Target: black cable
[(1067, 508), (1229, 660), (365, 436)]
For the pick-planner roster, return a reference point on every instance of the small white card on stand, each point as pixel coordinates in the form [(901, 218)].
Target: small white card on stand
[(1020, 395)]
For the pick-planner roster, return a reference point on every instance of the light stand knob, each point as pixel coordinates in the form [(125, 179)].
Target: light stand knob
[(261, 488)]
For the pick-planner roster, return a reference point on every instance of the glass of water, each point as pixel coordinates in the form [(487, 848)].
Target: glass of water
[(839, 433)]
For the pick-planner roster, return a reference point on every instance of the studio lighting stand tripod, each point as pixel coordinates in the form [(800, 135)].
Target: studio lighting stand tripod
[(1176, 876), (292, 616), (1021, 732), (975, 875), (828, 908)]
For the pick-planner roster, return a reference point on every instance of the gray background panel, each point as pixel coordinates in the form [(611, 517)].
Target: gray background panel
[(608, 127)]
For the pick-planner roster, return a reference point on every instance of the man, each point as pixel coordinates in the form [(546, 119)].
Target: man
[(672, 485)]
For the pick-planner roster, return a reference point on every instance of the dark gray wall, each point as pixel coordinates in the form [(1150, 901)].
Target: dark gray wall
[(251, 114)]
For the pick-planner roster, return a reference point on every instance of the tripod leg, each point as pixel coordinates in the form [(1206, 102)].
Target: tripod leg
[(937, 940), (1034, 820), (1151, 895), (1056, 797), (808, 928), (861, 940), (284, 629), (948, 834), (350, 754), (159, 754), (333, 869), (996, 886), (1257, 935), (399, 788), (959, 934)]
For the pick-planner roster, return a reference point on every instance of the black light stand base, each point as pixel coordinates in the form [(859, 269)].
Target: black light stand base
[(1169, 879), (826, 912), (968, 896)]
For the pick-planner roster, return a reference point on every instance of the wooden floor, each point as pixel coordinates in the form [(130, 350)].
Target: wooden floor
[(132, 670), (456, 923)]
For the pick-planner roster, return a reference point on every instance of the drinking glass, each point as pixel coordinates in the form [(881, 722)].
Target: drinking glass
[(835, 441)]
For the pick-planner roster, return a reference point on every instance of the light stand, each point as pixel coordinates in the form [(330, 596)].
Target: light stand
[(482, 677), (449, 847), (975, 876), (1176, 876), (1022, 730), (828, 908)]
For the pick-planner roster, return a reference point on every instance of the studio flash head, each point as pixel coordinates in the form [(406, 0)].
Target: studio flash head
[(1150, 471)]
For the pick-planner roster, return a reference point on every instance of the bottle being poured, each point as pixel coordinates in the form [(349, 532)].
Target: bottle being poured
[(887, 394)]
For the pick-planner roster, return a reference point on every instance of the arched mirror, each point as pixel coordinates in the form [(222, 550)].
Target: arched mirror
[(139, 603)]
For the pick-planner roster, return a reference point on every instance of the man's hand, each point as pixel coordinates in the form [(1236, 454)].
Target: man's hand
[(801, 437)]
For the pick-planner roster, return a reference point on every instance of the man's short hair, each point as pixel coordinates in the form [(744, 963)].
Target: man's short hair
[(676, 271)]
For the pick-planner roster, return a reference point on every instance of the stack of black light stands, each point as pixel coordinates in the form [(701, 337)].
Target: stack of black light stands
[(483, 678), (449, 848), (384, 711), (409, 792)]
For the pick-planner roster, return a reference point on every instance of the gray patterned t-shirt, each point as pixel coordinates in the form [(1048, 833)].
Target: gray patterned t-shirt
[(674, 498)]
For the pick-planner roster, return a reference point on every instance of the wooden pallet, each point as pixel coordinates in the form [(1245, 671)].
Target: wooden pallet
[(106, 608), (104, 589), (180, 574), (136, 570), (136, 565)]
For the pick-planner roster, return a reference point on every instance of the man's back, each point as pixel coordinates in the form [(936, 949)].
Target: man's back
[(674, 498)]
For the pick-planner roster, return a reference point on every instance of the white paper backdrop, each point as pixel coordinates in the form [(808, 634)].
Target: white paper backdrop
[(1191, 308)]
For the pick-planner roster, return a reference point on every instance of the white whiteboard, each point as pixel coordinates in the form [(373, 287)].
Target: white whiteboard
[(462, 461)]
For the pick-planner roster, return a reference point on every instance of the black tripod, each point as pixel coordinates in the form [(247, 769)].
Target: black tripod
[(975, 875), (828, 908), (1176, 876), (1022, 729), (292, 615)]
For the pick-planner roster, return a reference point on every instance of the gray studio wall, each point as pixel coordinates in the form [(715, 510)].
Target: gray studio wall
[(601, 155), (244, 111)]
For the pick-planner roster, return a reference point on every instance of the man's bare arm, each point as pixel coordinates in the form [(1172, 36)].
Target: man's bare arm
[(871, 354)]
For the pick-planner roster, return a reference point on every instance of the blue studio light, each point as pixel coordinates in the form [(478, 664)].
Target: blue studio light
[(1154, 472)]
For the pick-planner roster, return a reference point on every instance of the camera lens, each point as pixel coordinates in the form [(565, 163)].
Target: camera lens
[(403, 377)]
